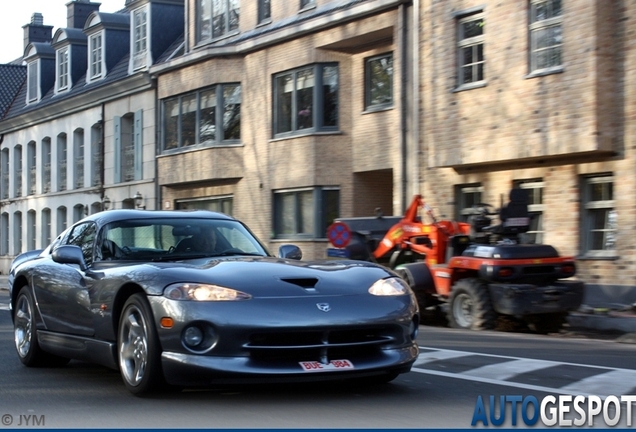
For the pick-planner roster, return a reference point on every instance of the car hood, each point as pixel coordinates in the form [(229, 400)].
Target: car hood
[(262, 276)]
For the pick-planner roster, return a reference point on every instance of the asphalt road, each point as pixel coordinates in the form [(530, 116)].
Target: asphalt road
[(454, 370)]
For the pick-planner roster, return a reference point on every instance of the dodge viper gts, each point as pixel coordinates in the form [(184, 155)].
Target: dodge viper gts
[(128, 289)]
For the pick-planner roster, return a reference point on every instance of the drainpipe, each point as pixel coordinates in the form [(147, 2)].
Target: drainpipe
[(403, 38), (415, 94)]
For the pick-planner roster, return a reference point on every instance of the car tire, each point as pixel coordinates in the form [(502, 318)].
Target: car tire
[(26, 336), (138, 350), (470, 306)]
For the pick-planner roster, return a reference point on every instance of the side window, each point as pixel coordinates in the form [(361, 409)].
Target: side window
[(378, 83), (83, 235)]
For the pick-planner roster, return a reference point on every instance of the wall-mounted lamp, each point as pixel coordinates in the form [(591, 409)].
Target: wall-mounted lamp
[(106, 202), (139, 201)]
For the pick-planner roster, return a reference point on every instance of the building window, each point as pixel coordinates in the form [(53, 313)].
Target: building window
[(32, 82), (4, 168), (96, 57), (216, 18), (61, 220), (305, 213), (264, 11), (466, 199), (46, 165), (599, 222), (31, 230), (4, 234), (306, 100), (62, 70), (535, 208), (78, 150), (222, 204), (17, 171), (128, 147), (378, 80), (62, 162), (96, 154), (17, 233), (46, 227), (206, 117), (32, 166), (307, 3), (140, 38), (546, 37), (470, 49)]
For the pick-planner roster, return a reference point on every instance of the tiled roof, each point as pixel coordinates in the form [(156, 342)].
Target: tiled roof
[(13, 78)]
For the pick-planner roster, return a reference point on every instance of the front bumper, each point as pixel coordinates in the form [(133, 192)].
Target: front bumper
[(191, 370), (527, 299)]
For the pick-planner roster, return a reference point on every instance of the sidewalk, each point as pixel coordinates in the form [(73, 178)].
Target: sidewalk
[(601, 316)]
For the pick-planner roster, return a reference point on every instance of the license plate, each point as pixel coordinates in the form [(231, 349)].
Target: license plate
[(314, 366)]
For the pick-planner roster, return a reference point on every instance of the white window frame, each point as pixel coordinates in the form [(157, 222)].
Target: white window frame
[(472, 43), (536, 208), (609, 229), (139, 40), (96, 66), (539, 25), (62, 78), (33, 80), (463, 208)]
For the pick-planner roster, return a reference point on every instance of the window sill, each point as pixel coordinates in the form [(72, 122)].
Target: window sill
[(380, 108), (544, 72), (308, 8), (470, 86), (264, 22), (205, 42), (199, 147), (598, 256), (304, 134)]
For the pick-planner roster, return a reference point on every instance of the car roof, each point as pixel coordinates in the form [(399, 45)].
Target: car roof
[(108, 216)]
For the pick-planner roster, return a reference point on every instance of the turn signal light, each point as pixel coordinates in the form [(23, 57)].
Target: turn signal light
[(167, 322)]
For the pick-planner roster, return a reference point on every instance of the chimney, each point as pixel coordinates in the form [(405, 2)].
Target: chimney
[(36, 31), (78, 11)]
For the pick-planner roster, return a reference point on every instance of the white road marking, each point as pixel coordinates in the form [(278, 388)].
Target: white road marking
[(611, 381)]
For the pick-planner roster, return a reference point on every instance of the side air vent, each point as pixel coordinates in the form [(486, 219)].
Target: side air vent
[(302, 282)]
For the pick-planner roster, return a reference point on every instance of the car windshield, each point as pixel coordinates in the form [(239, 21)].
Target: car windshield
[(173, 239)]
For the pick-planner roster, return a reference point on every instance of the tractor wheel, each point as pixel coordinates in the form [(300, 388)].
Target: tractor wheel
[(546, 323), (470, 306)]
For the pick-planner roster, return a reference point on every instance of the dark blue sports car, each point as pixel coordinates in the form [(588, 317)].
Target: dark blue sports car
[(189, 299)]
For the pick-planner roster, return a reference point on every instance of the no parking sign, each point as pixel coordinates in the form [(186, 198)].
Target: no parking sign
[(339, 234)]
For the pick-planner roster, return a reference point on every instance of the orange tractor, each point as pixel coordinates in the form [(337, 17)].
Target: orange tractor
[(479, 270)]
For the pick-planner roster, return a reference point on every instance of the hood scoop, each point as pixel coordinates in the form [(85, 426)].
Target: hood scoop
[(306, 283)]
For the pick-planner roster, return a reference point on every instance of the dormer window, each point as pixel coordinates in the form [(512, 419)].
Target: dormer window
[(61, 79), (140, 38), (33, 79), (95, 65)]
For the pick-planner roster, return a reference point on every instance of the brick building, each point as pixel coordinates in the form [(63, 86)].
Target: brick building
[(536, 94)]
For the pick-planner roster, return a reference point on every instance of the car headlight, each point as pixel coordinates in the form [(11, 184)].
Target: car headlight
[(203, 292), (389, 287)]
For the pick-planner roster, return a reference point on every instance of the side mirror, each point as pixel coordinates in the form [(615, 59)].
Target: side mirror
[(69, 254), (290, 251)]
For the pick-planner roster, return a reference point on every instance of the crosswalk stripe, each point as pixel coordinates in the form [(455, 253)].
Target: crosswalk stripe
[(607, 381), (620, 381)]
